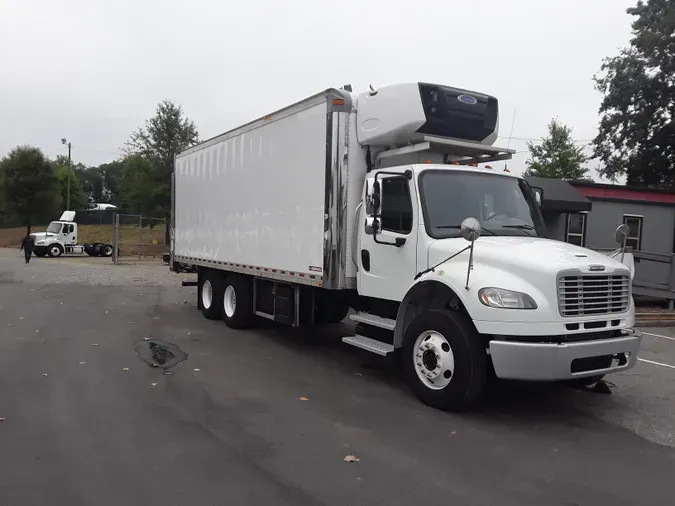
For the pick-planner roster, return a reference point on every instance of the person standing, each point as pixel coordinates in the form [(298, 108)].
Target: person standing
[(27, 246)]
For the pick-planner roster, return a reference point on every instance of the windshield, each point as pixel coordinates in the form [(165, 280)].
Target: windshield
[(54, 227), (503, 205)]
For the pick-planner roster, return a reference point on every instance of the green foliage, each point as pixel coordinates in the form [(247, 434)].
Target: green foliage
[(78, 197), (637, 133), (557, 157), (29, 188), (142, 187), (102, 184), (158, 142)]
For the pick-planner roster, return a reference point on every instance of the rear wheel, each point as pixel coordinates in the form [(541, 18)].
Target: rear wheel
[(211, 296), (106, 250), (55, 250), (237, 302), (445, 360)]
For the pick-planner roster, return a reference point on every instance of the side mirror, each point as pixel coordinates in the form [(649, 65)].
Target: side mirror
[(538, 195), (621, 233), (471, 229), (377, 200), (372, 225), (372, 197)]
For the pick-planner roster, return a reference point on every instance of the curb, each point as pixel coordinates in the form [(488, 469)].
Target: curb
[(654, 323)]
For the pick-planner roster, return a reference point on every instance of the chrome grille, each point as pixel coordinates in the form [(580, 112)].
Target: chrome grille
[(590, 294)]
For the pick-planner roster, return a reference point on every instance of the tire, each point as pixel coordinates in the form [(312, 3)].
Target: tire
[(458, 353), (584, 382), (106, 250), (237, 302), (211, 295), (55, 250)]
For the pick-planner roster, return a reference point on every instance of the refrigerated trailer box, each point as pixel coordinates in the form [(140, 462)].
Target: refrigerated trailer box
[(274, 196), (381, 202)]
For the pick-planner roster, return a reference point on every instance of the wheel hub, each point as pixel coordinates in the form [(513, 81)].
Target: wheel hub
[(230, 301), (207, 294), (434, 360)]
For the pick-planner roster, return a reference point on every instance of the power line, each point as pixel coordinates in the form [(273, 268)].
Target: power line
[(116, 153), (532, 139)]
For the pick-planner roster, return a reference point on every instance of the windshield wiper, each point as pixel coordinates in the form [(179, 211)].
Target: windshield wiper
[(520, 227), (459, 227)]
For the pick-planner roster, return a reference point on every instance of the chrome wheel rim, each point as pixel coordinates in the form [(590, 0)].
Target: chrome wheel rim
[(207, 294), (433, 359), (230, 301)]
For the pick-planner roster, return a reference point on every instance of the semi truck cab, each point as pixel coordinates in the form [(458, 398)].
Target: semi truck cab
[(61, 238)]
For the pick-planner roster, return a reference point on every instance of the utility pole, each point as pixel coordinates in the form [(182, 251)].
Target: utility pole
[(65, 142)]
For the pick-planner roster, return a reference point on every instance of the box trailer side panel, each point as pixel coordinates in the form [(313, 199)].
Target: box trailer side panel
[(255, 197)]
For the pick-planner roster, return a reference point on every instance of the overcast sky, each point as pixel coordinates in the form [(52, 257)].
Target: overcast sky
[(92, 70)]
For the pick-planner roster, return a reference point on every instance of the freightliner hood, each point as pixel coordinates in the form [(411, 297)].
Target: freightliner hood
[(41, 236), (523, 264), (526, 254)]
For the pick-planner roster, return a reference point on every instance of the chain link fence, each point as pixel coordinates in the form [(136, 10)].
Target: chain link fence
[(137, 237)]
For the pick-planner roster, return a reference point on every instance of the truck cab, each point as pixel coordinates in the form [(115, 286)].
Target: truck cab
[(61, 237), (461, 255)]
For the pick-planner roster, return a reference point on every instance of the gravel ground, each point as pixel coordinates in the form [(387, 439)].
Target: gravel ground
[(84, 270)]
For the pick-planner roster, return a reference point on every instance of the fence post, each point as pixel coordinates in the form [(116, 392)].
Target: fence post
[(671, 281), (116, 238)]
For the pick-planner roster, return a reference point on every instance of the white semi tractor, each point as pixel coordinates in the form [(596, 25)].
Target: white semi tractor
[(376, 202), (61, 238)]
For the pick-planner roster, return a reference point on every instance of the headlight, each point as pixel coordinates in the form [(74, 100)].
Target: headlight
[(40, 242), (505, 299)]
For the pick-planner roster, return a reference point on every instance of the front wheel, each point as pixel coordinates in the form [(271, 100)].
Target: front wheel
[(445, 360), (55, 251), (106, 250)]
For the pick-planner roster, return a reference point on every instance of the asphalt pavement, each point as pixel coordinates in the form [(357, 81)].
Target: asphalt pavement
[(267, 416)]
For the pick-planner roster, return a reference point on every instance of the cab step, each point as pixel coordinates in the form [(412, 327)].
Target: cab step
[(369, 344), (374, 320)]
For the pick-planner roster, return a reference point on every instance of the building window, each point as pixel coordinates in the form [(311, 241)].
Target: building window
[(397, 212), (634, 223), (576, 229)]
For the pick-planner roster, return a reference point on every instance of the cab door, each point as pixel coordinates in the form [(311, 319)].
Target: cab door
[(388, 236), (67, 235)]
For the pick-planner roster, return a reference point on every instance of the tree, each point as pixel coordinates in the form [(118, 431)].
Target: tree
[(637, 135), (101, 184), (557, 156), (142, 189), (29, 189), (162, 137), (78, 197)]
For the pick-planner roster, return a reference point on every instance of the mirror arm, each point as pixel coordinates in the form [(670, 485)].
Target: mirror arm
[(433, 269)]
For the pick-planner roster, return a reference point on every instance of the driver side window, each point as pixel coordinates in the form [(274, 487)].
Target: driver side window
[(397, 212)]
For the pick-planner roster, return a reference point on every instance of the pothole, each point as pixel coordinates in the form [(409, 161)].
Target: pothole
[(160, 354)]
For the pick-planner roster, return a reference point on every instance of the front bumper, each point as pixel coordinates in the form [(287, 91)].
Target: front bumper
[(564, 361)]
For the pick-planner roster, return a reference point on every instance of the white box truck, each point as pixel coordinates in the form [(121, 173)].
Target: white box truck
[(375, 202)]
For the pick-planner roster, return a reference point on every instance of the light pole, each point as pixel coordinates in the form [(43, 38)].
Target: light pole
[(66, 143)]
